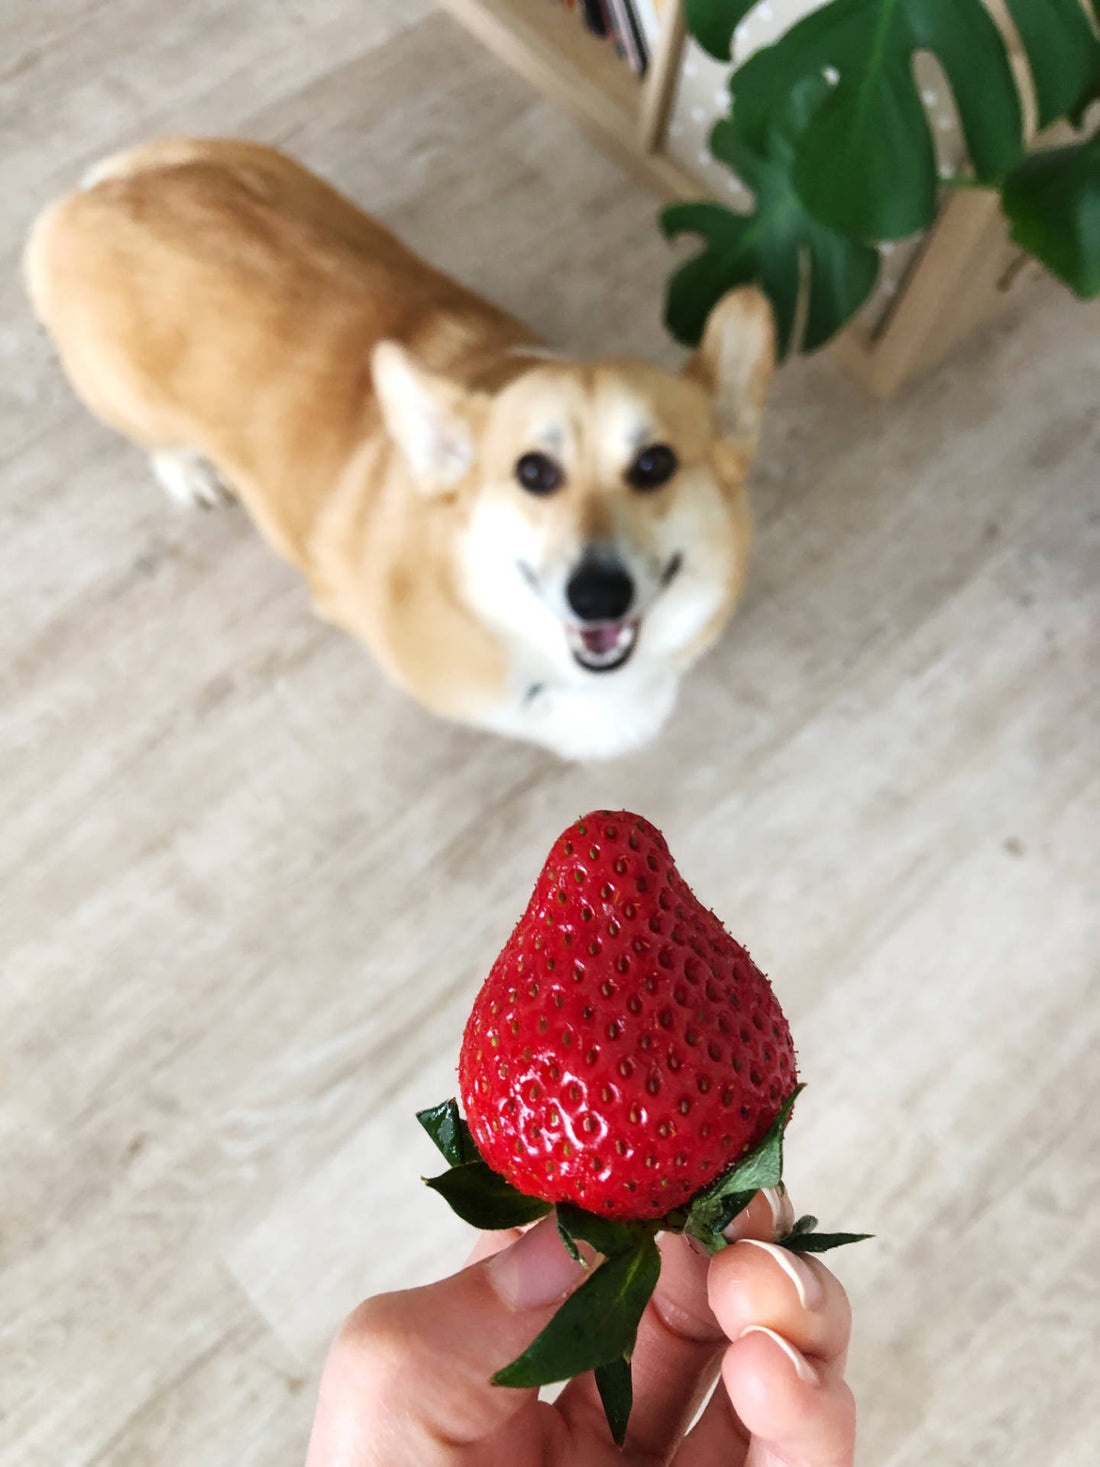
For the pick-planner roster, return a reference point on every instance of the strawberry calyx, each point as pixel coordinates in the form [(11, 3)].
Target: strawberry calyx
[(597, 1325)]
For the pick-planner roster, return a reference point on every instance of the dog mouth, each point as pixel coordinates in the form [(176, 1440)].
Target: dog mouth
[(603, 646)]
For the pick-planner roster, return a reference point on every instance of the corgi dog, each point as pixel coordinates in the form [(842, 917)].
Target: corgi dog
[(526, 544)]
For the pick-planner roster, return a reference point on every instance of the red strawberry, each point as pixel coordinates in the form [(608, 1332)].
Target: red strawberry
[(627, 1062), (624, 1051)]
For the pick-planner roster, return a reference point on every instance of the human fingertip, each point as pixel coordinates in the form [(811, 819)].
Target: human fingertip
[(782, 1210), (492, 1242), (810, 1290), (769, 1215), (806, 1372), (534, 1271)]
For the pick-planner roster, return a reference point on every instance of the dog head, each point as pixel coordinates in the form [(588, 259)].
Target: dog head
[(603, 516)]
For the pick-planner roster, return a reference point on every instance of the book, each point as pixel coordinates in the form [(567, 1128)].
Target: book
[(648, 16), (594, 17), (628, 33), (641, 40), (609, 24)]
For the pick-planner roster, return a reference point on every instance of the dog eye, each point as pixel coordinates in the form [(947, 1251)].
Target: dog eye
[(653, 467), (539, 474)]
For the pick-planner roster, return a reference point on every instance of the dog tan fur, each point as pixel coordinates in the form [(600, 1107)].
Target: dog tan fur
[(221, 306)]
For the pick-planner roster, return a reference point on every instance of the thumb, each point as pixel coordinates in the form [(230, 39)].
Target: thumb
[(408, 1377)]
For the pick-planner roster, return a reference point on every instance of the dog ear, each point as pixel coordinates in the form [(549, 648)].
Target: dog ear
[(426, 415), (735, 361)]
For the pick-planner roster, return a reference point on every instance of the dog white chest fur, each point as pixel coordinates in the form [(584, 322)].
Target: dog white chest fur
[(529, 545)]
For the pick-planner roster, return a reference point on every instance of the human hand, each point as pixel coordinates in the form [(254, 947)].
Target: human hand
[(407, 1381)]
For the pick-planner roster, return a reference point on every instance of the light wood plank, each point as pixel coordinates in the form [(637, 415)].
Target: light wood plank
[(662, 79)]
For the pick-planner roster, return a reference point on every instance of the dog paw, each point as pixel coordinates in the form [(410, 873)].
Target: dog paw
[(190, 479)]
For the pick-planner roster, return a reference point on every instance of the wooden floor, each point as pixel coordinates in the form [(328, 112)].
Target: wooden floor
[(248, 891)]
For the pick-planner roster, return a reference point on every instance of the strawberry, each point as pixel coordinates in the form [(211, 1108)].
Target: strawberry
[(625, 1064), (624, 1050)]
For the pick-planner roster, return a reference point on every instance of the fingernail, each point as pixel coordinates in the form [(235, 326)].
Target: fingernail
[(779, 1205), (775, 1202), (734, 1231), (782, 1210), (811, 1292), (803, 1369), (535, 1270)]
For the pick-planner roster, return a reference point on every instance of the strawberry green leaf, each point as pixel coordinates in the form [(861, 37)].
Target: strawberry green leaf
[(484, 1199), (777, 245), (763, 1166), (1052, 202), (617, 1394), (570, 1247), (732, 1204), (713, 22), (449, 1132), (867, 165), (1062, 52), (803, 1225), (717, 1205), (820, 1242), (605, 1234), (596, 1325)]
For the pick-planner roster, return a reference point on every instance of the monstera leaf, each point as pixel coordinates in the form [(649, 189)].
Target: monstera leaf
[(774, 245), (1052, 201), (867, 167), (828, 129), (713, 22), (1063, 55)]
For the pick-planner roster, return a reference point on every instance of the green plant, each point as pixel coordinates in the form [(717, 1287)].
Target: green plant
[(828, 131)]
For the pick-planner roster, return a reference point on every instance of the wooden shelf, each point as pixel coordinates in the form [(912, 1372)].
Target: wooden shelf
[(550, 47)]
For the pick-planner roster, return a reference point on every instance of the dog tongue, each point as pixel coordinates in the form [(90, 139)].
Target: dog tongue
[(602, 639)]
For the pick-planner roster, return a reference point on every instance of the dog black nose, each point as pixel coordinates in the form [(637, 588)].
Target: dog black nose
[(599, 591)]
